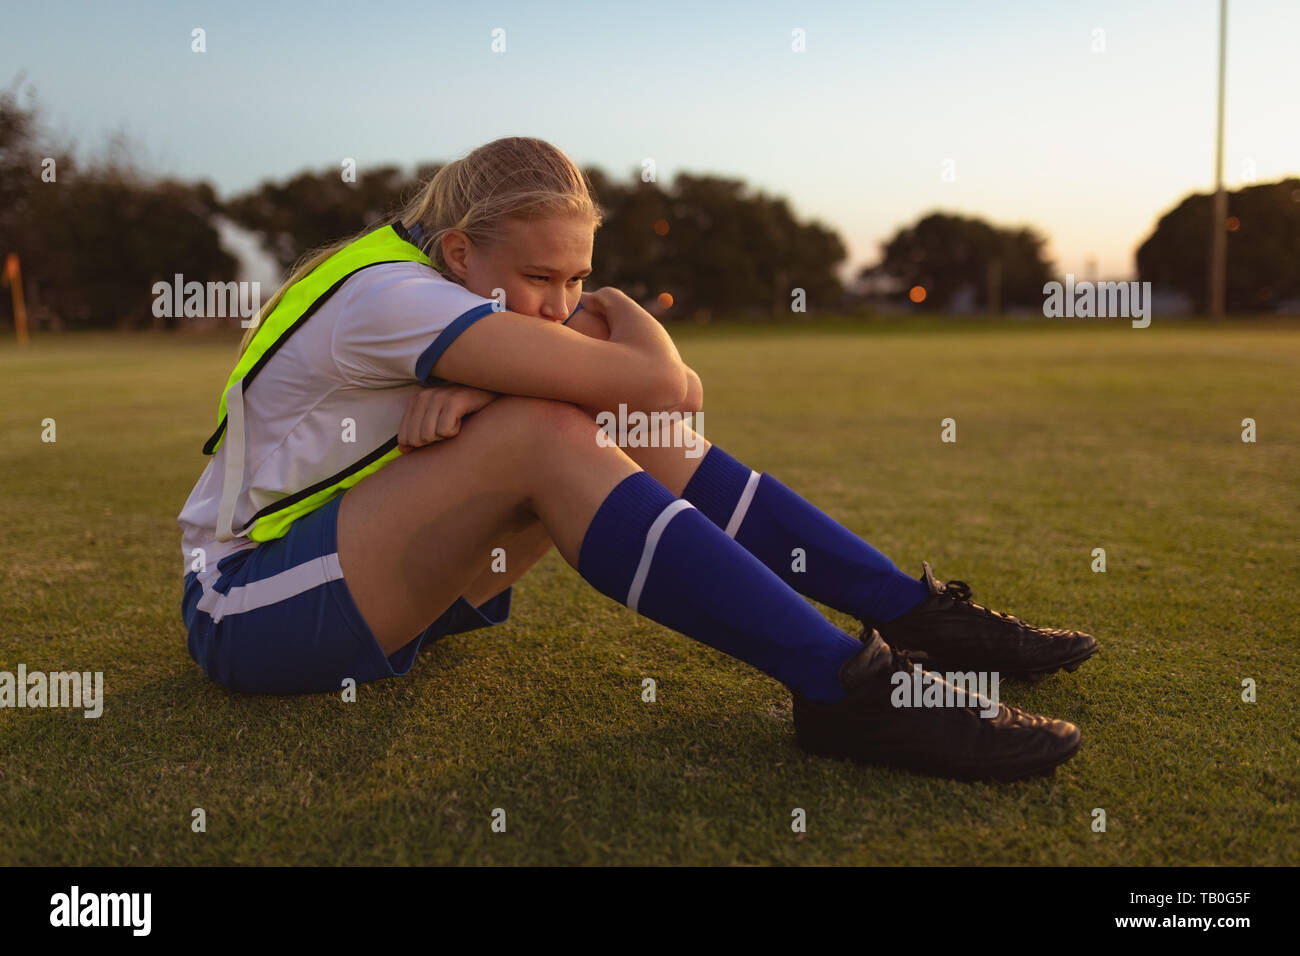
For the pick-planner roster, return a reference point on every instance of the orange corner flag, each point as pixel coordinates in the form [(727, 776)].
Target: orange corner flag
[(13, 276)]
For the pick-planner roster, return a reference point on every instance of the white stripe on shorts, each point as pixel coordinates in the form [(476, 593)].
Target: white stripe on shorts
[(648, 552), (267, 591), (742, 506)]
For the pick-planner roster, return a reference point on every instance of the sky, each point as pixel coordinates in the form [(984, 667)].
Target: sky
[(1086, 120)]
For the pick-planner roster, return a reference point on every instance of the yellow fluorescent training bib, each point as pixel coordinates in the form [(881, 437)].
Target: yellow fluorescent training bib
[(300, 301)]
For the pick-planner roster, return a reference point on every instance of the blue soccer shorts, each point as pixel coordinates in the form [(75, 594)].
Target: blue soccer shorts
[(279, 619)]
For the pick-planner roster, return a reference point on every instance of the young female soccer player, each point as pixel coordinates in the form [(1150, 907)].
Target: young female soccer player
[(392, 432)]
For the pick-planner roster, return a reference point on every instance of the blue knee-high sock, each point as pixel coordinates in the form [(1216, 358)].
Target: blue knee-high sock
[(842, 571), (656, 554)]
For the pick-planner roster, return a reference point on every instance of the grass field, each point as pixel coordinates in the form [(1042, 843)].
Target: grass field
[(1069, 438)]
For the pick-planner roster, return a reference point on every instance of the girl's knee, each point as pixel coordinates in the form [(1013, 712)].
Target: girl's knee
[(543, 416)]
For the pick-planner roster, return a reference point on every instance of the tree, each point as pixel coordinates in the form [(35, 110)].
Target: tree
[(628, 254), (1263, 248), (317, 208), (951, 256)]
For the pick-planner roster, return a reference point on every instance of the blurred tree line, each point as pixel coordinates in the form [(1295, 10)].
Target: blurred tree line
[(94, 237), (708, 242), (92, 240)]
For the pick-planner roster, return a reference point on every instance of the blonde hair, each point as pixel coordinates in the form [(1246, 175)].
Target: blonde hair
[(516, 177)]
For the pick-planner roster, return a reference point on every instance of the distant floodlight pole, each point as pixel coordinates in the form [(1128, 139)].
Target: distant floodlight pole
[(1219, 241)]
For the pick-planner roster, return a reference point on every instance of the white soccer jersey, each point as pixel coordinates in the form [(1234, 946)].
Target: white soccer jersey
[(335, 390)]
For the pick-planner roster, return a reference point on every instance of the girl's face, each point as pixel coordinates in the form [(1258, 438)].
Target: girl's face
[(540, 264)]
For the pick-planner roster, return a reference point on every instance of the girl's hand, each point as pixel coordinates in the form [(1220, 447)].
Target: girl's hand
[(594, 302), (588, 323), (601, 302), (623, 319), (435, 413), (608, 310)]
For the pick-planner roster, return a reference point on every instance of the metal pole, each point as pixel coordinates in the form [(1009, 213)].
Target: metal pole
[(994, 305), (1219, 240)]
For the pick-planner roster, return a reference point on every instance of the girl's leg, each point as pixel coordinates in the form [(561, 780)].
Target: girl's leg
[(871, 571), (770, 521), (419, 532), (938, 623), (423, 530), (414, 535), (523, 550)]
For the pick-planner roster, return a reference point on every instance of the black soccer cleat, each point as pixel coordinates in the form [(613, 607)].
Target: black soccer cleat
[(949, 632), (944, 741)]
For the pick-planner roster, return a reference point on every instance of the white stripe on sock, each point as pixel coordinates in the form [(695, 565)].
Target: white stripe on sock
[(648, 552), (742, 506), (278, 587)]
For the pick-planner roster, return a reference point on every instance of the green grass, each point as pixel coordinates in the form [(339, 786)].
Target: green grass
[(1070, 437)]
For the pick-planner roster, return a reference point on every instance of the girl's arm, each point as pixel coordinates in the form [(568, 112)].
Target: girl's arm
[(436, 413), (516, 354), (588, 323)]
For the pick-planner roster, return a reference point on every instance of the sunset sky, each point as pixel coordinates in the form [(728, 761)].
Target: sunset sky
[(1031, 123)]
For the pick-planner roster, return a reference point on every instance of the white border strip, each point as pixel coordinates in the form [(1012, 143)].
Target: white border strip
[(651, 542), (742, 506), (278, 587), (232, 481)]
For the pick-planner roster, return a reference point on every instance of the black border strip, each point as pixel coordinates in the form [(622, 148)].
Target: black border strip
[(334, 479)]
